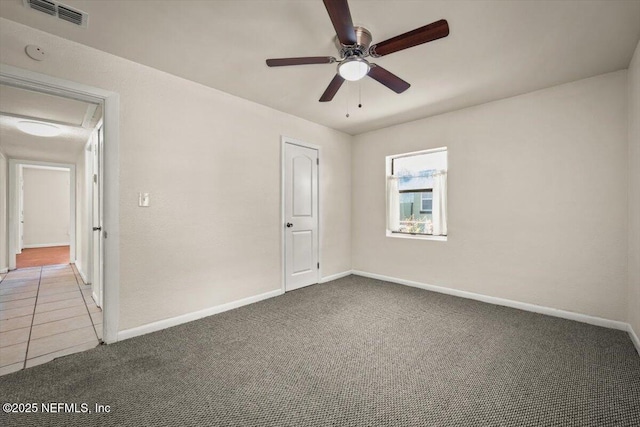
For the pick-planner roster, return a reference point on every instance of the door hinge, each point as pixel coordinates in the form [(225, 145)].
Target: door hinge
[(318, 265), (317, 161), (95, 178)]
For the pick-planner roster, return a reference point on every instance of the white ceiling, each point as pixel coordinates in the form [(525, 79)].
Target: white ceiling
[(75, 118), (496, 49)]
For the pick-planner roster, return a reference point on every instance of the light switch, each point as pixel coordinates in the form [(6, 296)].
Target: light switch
[(143, 199)]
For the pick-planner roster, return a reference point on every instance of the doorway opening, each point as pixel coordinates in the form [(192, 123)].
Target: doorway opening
[(48, 289), (90, 202), (46, 214)]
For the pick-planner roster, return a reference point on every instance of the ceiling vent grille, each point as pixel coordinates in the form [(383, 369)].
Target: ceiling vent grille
[(69, 15), (60, 10), (43, 6)]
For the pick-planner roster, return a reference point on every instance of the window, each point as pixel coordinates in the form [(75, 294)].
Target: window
[(426, 203), (417, 194)]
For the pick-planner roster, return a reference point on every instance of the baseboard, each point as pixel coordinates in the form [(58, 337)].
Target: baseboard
[(634, 338), (80, 271), (44, 245), (189, 317), (95, 298), (4, 270), (570, 315), (335, 276)]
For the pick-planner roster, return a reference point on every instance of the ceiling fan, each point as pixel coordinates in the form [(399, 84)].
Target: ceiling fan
[(354, 45)]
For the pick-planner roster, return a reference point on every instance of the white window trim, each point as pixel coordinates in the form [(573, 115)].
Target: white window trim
[(422, 199), (416, 236), (388, 161)]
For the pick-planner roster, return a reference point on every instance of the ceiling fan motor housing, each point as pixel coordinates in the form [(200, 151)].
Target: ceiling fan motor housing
[(361, 48)]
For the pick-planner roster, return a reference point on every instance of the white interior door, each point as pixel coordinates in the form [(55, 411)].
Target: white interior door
[(97, 239), (301, 216)]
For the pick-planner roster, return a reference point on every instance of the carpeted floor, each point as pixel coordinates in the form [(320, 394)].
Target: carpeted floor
[(353, 352)]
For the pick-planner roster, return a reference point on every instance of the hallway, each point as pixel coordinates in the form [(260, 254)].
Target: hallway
[(45, 313)]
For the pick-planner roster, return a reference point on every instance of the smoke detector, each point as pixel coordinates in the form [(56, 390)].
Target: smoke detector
[(59, 10)]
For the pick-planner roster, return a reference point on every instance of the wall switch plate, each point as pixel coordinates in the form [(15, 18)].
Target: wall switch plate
[(143, 200)]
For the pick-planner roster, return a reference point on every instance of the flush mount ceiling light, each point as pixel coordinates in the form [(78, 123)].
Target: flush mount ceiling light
[(353, 68), (39, 128)]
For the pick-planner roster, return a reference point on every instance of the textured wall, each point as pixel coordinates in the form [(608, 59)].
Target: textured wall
[(537, 199), (634, 191), (199, 152), (4, 170)]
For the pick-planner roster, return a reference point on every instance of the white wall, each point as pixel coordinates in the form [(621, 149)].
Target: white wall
[(538, 191), (46, 207), (4, 179), (537, 199), (634, 191), (200, 153)]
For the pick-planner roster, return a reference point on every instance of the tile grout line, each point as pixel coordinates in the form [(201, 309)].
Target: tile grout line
[(27, 359), (85, 303), (57, 320), (63, 332), (26, 354), (57, 351), (17, 299)]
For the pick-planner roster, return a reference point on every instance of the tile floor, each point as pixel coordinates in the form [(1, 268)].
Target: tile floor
[(45, 312)]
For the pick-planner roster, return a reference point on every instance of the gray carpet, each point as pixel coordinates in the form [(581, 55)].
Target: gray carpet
[(353, 352)]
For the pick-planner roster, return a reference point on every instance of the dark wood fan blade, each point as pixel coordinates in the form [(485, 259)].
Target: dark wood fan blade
[(341, 19), (332, 89), (435, 30), (388, 79), (281, 62)]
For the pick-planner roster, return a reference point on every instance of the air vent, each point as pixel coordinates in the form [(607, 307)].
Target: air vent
[(60, 10), (69, 15), (43, 6)]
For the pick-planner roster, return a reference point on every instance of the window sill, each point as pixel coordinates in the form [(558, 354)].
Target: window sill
[(416, 236)]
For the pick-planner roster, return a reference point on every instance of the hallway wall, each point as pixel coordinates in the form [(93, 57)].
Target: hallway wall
[(634, 192), (46, 207), (4, 176)]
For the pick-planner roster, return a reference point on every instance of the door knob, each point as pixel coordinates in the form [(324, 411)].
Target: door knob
[(289, 225)]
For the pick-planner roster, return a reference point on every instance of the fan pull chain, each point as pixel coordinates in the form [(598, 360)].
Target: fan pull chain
[(359, 93), (347, 97)]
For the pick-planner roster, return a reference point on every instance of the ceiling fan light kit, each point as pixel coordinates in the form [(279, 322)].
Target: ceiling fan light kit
[(354, 45), (353, 68)]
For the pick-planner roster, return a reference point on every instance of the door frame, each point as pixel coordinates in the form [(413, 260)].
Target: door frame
[(284, 140), (94, 271), (18, 77), (19, 174), (16, 193)]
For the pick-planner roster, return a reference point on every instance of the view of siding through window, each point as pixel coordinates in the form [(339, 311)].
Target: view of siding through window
[(418, 180)]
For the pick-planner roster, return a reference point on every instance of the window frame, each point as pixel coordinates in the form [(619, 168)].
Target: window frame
[(422, 199), (389, 171)]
